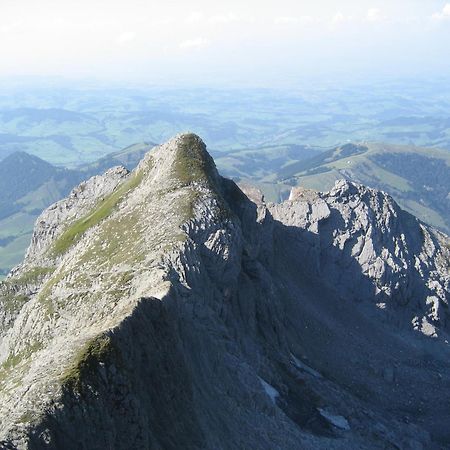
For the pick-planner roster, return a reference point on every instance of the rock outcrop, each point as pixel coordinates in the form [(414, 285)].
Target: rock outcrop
[(360, 241), (165, 309)]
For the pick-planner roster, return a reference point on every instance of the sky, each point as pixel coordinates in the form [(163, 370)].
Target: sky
[(264, 42)]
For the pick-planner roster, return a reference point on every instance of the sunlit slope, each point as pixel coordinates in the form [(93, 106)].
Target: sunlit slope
[(29, 184)]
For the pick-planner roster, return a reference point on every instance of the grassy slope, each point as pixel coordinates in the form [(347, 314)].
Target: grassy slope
[(100, 212), (16, 228)]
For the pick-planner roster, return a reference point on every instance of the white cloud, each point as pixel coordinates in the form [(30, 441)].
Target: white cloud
[(374, 15), (194, 43), (306, 19), (67, 37), (286, 20), (224, 18), (11, 27), (289, 20), (126, 37), (338, 18), (444, 14), (195, 17)]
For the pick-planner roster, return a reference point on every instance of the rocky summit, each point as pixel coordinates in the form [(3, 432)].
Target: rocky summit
[(167, 308)]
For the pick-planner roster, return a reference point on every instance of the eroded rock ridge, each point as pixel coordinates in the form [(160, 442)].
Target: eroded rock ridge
[(166, 309)]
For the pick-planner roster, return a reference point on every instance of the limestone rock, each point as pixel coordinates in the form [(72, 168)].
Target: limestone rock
[(164, 309)]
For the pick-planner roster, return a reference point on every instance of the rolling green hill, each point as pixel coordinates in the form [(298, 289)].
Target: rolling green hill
[(128, 157), (262, 161), (418, 178), (77, 124)]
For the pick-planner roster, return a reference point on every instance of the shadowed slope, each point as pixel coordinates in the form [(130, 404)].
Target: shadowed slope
[(187, 316)]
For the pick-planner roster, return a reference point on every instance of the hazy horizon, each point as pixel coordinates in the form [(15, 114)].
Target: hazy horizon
[(203, 44)]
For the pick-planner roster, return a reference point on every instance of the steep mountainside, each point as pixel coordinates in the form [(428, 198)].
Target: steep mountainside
[(418, 178), (165, 309), (28, 185)]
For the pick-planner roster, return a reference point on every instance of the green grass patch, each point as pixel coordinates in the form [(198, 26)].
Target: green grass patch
[(13, 302), (192, 162), (45, 293), (33, 275), (27, 417), (14, 360), (118, 242), (13, 291), (86, 361), (73, 234)]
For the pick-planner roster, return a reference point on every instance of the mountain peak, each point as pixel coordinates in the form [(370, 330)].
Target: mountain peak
[(21, 173), (173, 177), (19, 161), (147, 315), (183, 158)]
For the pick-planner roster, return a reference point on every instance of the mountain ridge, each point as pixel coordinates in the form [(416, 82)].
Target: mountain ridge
[(416, 177), (205, 318)]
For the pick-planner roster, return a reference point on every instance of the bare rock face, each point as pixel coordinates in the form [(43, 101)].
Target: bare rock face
[(164, 309), (361, 242)]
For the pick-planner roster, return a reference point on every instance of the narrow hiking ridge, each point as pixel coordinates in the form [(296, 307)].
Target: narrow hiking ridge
[(164, 308)]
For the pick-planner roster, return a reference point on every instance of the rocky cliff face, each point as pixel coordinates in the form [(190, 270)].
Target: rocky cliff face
[(166, 309)]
